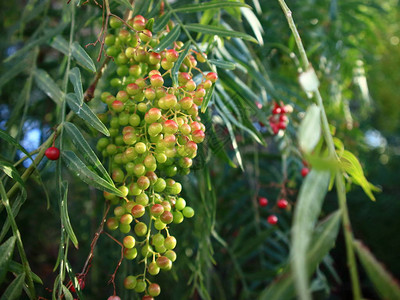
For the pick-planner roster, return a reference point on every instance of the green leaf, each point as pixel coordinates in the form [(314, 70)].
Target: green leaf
[(74, 280), (65, 217), (310, 129), (177, 64), (6, 252), (383, 281), (209, 5), (12, 172), (9, 139), (308, 208), (171, 37), (48, 86), (82, 57), (85, 149), (125, 3), (220, 31), (14, 69), (14, 290), (84, 112), (75, 165), (254, 24), (75, 77), (161, 22), (223, 64), (16, 206), (67, 293), (207, 98), (19, 269), (60, 44), (323, 240), (352, 166)]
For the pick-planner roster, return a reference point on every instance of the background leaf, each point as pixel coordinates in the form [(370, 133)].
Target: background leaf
[(14, 290), (48, 86), (75, 77), (6, 252)]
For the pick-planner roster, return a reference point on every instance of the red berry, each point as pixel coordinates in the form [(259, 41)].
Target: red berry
[(263, 201), (52, 153), (282, 203), (272, 219), (81, 284), (304, 171)]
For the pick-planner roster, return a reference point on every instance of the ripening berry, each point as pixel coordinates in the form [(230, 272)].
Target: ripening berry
[(272, 219), (304, 171), (282, 203), (212, 77), (263, 201), (52, 153)]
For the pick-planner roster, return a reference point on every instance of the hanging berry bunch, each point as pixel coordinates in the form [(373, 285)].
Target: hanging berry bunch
[(155, 129), (279, 120)]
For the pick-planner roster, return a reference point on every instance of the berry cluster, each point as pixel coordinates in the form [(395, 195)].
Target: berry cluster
[(281, 203), (155, 129), (279, 120)]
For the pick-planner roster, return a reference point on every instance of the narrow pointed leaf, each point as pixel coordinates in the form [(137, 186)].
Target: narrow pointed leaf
[(160, 23), (85, 149), (323, 240), (223, 64), (18, 269), (14, 290), (310, 129), (178, 63), (383, 281), (12, 172), (125, 3), (76, 80), (84, 112), (74, 280), (60, 44), (171, 37), (82, 57), (220, 31), (67, 293), (209, 5), (9, 139), (48, 86), (14, 69), (207, 99), (65, 217), (16, 206), (308, 208), (6, 252), (82, 171)]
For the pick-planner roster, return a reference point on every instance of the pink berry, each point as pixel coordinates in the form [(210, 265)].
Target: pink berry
[(263, 201), (272, 219), (282, 203)]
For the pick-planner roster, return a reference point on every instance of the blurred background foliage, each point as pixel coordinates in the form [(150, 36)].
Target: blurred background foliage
[(228, 251)]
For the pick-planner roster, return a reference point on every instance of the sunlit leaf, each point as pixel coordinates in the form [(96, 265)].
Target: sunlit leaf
[(75, 77), (209, 5), (308, 208), (223, 64), (310, 129), (84, 149), (48, 86), (171, 37), (82, 171), (12, 172), (178, 63), (84, 112), (219, 31), (9, 139), (65, 216), (82, 57)]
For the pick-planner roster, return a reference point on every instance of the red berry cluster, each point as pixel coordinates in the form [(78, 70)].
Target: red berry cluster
[(279, 120), (281, 203)]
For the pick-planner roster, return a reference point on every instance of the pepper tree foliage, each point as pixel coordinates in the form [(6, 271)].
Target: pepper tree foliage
[(229, 250)]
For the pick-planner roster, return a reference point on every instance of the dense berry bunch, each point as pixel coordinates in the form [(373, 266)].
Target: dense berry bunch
[(155, 130), (279, 120)]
